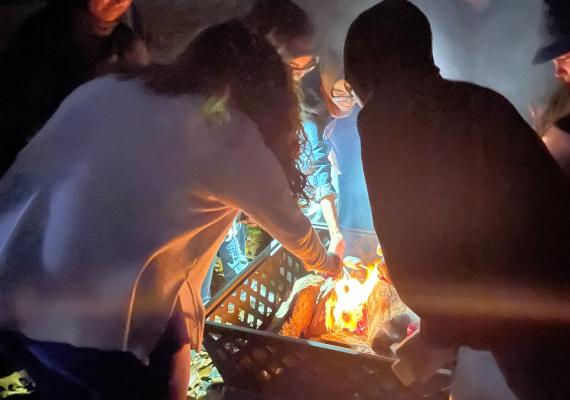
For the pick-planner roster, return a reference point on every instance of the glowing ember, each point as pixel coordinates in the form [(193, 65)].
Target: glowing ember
[(346, 308)]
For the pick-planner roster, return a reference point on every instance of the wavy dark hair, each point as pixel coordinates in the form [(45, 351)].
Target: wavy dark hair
[(282, 17), (230, 60)]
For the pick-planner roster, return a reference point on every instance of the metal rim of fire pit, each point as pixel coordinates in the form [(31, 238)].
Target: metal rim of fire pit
[(255, 361)]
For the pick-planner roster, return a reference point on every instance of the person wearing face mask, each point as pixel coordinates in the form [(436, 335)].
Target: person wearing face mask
[(288, 27), (316, 160), (555, 122), (290, 30), (62, 46)]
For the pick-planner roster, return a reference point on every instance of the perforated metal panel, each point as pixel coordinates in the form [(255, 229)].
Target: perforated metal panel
[(255, 300), (266, 364), (280, 368)]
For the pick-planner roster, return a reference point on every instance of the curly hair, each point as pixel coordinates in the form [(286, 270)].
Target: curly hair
[(230, 60)]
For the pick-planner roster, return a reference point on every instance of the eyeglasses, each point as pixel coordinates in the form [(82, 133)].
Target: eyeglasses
[(304, 64), (347, 93)]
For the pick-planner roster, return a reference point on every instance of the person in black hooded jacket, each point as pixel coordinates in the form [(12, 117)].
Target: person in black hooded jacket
[(470, 208), (62, 46)]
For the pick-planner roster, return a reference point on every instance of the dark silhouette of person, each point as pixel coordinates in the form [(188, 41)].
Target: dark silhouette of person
[(470, 208), (64, 45)]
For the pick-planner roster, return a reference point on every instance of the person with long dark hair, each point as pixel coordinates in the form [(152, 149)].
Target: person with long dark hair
[(290, 30), (129, 190)]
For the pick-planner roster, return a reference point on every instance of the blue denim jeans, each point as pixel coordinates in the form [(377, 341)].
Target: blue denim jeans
[(232, 254), (315, 162)]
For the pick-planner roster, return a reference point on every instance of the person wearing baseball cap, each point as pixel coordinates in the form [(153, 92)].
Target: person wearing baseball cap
[(470, 209), (556, 42), (556, 48)]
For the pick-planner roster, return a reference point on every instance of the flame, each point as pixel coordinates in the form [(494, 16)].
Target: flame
[(345, 309)]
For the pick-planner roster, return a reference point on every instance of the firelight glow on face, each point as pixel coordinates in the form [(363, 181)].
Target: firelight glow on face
[(562, 68), (109, 10)]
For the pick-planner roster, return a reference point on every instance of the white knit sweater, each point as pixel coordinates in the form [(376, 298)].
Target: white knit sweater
[(117, 207)]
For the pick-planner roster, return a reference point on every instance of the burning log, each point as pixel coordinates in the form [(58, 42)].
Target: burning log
[(361, 310), (302, 313), (389, 319), (295, 315)]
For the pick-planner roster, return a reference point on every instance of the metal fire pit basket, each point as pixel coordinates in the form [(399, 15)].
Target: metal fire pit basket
[(255, 361)]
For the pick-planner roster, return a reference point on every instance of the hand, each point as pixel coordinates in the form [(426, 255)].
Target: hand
[(417, 361), (337, 244), (333, 266), (353, 263), (243, 218)]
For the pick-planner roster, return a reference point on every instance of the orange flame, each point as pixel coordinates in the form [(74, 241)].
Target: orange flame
[(346, 307)]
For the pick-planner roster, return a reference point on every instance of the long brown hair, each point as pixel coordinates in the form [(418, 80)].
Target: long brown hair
[(229, 59)]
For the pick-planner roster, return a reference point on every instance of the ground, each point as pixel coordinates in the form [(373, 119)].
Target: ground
[(205, 382)]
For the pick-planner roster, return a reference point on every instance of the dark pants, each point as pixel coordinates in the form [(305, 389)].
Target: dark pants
[(534, 356), (537, 369), (63, 372)]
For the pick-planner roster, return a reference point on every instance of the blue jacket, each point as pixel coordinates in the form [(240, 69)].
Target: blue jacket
[(315, 163)]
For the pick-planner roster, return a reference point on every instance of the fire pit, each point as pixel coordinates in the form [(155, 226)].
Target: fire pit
[(255, 360)]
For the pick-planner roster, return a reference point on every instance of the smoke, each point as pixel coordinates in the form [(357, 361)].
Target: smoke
[(487, 42), (492, 45), (477, 377)]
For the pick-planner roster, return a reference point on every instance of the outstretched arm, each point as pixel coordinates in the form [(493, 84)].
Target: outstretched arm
[(256, 184)]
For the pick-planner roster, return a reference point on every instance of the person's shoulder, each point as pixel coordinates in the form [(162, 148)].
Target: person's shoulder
[(39, 26), (380, 112), (107, 84), (242, 134), (476, 96), (106, 91), (243, 139), (311, 130), (370, 111)]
